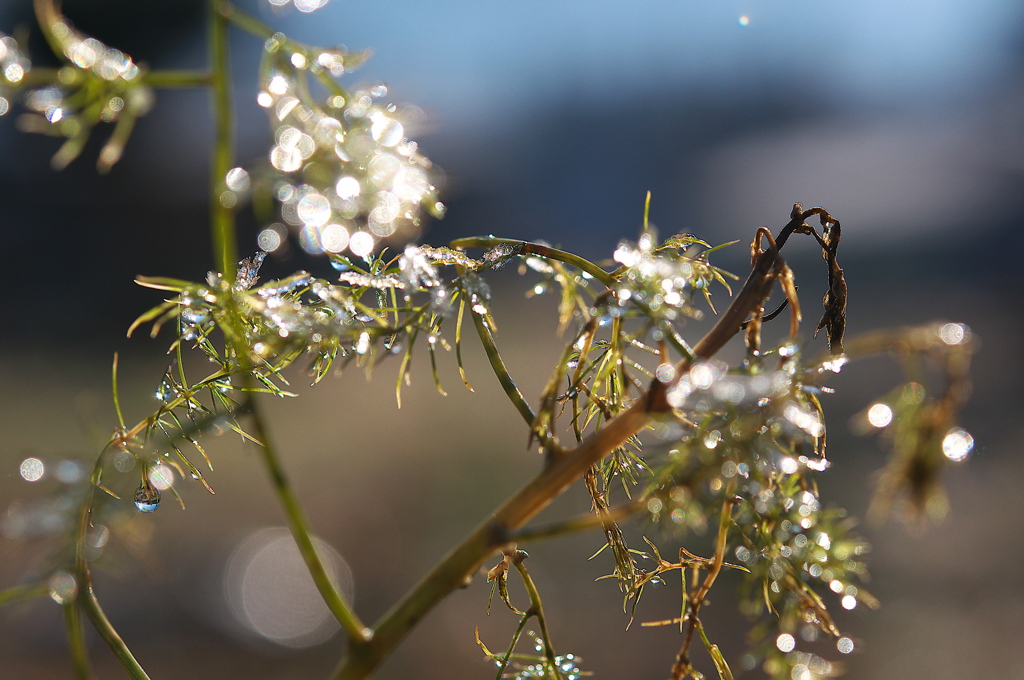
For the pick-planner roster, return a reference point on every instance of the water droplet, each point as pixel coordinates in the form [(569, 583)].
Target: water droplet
[(844, 645), (147, 497)]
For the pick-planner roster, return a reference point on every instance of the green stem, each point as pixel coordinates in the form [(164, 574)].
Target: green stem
[(76, 641), (22, 592), (102, 624), (164, 79), (243, 21), (578, 524), (171, 79), (537, 609), (298, 524), (498, 366), (529, 248), (222, 219), (458, 567)]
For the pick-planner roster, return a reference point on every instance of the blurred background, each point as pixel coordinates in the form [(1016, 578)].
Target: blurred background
[(550, 120)]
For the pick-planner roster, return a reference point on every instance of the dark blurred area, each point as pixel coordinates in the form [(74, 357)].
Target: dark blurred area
[(550, 121)]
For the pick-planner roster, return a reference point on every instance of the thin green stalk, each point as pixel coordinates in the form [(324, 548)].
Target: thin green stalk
[(102, 624), (222, 219), (173, 79), (462, 562), (498, 366), (529, 248), (298, 524), (22, 592), (511, 647), (86, 598), (537, 609), (76, 641), (245, 22), (577, 524)]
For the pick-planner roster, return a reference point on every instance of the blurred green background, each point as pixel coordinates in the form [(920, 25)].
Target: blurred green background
[(550, 121)]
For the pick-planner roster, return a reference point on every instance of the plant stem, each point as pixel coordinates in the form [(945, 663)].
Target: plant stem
[(537, 609), (498, 366), (529, 248), (298, 524), (102, 624), (245, 22), (222, 219), (23, 592), (458, 567), (577, 524), (76, 641), (168, 79)]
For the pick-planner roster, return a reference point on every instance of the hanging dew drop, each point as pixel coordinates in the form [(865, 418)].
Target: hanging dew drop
[(147, 497)]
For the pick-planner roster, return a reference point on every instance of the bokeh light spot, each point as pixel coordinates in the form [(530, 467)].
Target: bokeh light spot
[(957, 444), (334, 238), (954, 333), (272, 594), (785, 642), (62, 587), (361, 244), (269, 240), (32, 469), (880, 415), (161, 476)]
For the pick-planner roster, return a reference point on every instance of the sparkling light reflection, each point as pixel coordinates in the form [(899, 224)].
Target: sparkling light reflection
[(32, 469), (957, 444), (785, 642), (62, 587), (271, 593), (361, 244), (161, 476), (880, 415), (954, 333)]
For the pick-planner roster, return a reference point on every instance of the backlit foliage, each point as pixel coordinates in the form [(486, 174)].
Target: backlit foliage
[(657, 428)]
